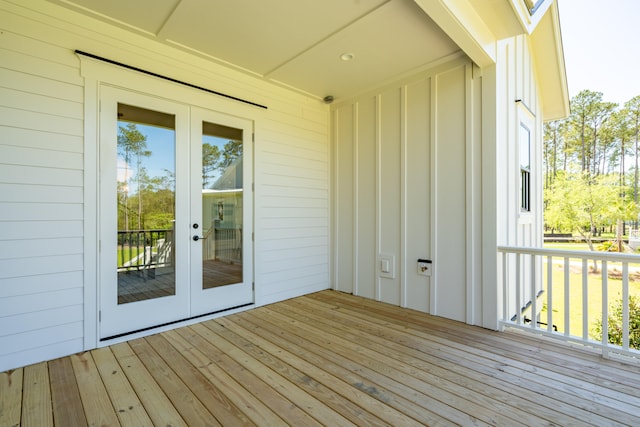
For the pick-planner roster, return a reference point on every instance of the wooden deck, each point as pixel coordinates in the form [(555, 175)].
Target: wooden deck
[(325, 359)]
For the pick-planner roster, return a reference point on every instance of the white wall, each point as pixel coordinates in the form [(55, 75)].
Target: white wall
[(408, 186), (48, 295), (518, 100), (517, 81), (41, 197)]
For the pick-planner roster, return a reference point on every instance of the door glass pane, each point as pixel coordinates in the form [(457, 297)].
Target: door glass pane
[(221, 205), (146, 204)]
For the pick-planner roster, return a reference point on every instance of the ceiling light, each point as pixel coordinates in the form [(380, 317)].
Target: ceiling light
[(347, 56)]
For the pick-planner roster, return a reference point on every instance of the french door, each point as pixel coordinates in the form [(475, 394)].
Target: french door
[(175, 219)]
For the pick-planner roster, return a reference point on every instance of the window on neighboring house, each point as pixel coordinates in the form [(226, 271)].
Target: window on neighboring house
[(524, 138)]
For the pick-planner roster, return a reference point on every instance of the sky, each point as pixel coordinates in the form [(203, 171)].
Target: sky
[(161, 143), (601, 47)]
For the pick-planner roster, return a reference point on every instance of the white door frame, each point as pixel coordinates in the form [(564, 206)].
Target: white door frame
[(233, 295), (96, 73), (116, 319)]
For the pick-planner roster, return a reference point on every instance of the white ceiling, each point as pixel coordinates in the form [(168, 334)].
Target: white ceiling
[(297, 43)]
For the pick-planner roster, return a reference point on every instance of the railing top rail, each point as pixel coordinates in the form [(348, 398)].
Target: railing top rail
[(592, 255)]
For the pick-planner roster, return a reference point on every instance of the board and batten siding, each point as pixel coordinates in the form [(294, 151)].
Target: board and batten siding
[(48, 279), (407, 186), (518, 95), (518, 102)]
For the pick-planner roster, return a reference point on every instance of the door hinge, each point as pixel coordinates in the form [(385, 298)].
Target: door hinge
[(253, 137), (253, 186), (99, 315), (253, 236), (253, 286)]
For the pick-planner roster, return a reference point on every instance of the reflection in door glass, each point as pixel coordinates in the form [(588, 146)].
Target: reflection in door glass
[(221, 205), (146, 204)]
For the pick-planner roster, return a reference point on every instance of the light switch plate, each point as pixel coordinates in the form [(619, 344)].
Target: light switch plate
[(387, 265)]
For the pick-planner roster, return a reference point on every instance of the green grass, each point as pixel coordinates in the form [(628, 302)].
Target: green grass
[(576, 309), (127, 253), (567, 246)]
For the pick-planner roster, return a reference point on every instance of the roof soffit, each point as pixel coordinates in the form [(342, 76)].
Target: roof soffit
[(289, 42), (546, 44)]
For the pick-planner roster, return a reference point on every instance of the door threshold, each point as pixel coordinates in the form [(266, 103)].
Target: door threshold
[(113, 337)]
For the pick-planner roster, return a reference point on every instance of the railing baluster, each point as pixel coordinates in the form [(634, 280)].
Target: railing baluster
[(136, 249), (516, 278), (605, 309), (567, 296), (585, 298), (518, 293), (625, 305), (505, 284), (534, 296), (549, 293), (121, 247)]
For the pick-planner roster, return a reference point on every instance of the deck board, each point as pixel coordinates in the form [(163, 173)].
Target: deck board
[(326, 359), (186, 403), (128, 407), (95, 400), (155, 402), (36, 392), (577, 385), (65, 396), (11, 397)]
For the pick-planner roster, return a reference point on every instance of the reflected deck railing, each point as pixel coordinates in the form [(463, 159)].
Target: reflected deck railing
[(144, 249), (548, 291)]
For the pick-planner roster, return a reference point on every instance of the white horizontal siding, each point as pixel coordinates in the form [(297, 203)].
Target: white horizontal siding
[(34, 321), (293, 204), (14, 230), (284, 259), (42, 171), (55, 146), (294, 169), (53, 340), (29, 83), (42, 247), (13, 306), (293, 193), (29, 101), (19, 174), (41, 199), (19, 267), (40, 193), (49, 122), (270, 223), (38, 284), (278, 233), (22, 357), (28, 156), (40, 212), (17, 60)]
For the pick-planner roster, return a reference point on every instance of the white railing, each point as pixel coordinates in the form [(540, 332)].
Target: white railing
[(569, 295)]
